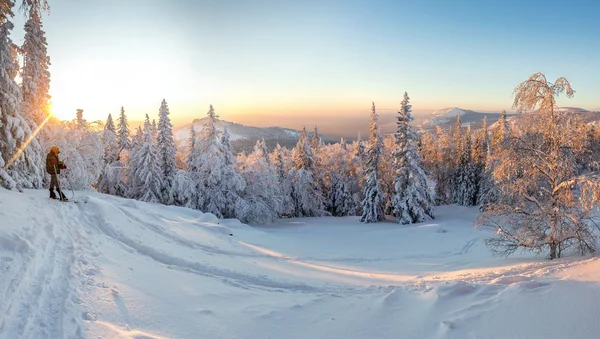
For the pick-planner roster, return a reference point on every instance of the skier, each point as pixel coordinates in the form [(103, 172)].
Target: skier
[(53, 167)]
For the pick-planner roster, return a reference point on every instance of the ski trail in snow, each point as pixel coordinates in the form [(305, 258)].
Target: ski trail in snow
[(36, 298), (97, 220)]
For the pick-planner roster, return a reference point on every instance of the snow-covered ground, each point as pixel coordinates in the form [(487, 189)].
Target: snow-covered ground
[(118, 268)]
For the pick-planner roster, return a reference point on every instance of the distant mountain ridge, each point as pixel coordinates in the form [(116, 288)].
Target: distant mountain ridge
[(244, 137), (446, 117)]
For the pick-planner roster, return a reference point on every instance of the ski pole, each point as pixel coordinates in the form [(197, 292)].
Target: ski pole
[(60, 193)]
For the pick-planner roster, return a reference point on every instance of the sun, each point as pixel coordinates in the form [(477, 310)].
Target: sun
[(62, 112)]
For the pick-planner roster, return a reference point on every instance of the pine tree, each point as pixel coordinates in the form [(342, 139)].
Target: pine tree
[(166, 154), (123, 134), (372, 204), (412, 201)]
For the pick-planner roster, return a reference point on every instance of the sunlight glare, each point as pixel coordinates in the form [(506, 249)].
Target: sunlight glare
[(62, 111)]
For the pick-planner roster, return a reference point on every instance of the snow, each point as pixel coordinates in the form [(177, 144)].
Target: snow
[(110, 267)]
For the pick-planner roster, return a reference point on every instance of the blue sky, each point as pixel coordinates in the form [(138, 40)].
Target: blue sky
[(272, 62)]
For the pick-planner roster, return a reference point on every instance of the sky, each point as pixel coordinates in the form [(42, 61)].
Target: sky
[(293, 63)]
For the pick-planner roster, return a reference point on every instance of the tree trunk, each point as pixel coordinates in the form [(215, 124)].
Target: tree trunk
[(553, 250)]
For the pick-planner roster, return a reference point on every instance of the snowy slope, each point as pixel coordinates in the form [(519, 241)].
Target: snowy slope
[(117, 268)]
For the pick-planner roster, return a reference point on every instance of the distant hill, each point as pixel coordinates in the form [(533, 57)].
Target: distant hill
[(446, 117), (244, 137)]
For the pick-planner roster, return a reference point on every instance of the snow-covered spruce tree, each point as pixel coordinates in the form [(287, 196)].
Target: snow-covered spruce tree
[(547, 203), (166, 154), (488, 190), (154, 130), (36, 77), (412, 201), (387, 173), (261, 201), (357, 159), (466, 174), (457, 147), (444, 176), (283, 181), (218, 185), (132, 180), (147, 170), (306, 195), (20, 156), (110, 181), (339, 196), (372, 204), (193, 150), (123, 134), (501, 131)]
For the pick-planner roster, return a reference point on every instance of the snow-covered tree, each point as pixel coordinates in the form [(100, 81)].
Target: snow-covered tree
[(283, 181), (262, 199), (412, 201), (146, 168), (466, 174), (340, 201), (501, 131), (372, 204), (193, 150), (547, 203), (305, 192), (35, 75), (123, 134), (110, 180), (166, 154), (218, 185), (20, 152), (302, 154)]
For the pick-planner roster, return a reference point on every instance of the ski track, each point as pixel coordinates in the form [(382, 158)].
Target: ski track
[(37, 296)]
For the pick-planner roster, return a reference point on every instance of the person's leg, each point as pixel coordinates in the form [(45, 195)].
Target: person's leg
[(53, 185)]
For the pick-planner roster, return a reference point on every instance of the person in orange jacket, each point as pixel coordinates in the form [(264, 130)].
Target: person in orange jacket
[(53, 167)]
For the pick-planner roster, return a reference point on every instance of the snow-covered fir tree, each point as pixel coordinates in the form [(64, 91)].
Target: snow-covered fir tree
[(501, 131), (166, 154), (283, 181), (20, 155), (192, 150), (218, 185), (262, 200), (340, 201), (147, 170), (110, 180), (306, 194), (412, 201), (372, 204), (466, 174), (123, 134), (35, 74)]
